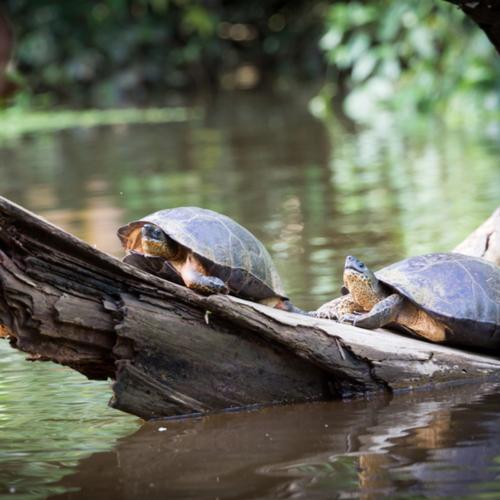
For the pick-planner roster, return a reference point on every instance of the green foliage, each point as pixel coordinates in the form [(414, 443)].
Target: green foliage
[(118, 51), (408, 55), (404, 54)]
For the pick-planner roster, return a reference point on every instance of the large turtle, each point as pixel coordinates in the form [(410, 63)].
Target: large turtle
[(444, 297), (206, 251)]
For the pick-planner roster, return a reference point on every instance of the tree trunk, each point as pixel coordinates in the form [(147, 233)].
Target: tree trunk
[(172, 351)]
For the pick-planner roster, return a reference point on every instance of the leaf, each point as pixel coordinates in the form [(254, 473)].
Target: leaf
[(357, 45), (331, 39), (364, 66)]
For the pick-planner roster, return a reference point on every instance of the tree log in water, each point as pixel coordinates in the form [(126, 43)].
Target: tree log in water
[(172, 351)]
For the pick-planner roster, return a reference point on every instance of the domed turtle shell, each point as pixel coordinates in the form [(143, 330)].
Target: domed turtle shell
[(227, 249), (461, 291)]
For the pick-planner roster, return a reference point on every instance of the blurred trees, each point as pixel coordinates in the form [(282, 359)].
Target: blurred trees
[(126, 49), (408, 52)]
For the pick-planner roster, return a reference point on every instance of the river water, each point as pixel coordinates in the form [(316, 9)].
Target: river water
[(312, 192)]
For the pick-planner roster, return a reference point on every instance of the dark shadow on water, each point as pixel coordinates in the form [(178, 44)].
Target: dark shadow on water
[(444, 443)]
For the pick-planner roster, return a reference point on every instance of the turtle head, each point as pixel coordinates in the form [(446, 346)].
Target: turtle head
[(362, 283), (156, 243)]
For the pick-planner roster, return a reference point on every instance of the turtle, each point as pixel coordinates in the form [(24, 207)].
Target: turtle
[(443, 297), (206, 251)]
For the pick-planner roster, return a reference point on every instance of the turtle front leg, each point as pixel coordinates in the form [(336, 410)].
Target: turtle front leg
[(382, 313), (207, 285), (337, 308), (194, 277)]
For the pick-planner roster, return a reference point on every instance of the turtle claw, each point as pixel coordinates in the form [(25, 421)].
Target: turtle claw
[(349, 318)]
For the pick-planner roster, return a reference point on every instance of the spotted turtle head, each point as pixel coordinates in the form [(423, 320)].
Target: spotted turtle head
[(156, 243), (362, 283)]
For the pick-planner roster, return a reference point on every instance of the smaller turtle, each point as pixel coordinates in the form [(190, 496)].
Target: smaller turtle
[(205, 251), (444, 297)]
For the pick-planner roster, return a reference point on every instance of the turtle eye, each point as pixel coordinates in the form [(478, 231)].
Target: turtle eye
[(360, 266), (152, 231), (156, 233)]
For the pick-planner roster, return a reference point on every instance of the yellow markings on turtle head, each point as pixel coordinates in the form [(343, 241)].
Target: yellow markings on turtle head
[(361, 289)]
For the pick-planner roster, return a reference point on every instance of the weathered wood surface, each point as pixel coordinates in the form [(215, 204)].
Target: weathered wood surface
[(172, 351), (484, 241)]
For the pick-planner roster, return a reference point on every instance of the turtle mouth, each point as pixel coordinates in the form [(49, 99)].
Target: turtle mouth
[(354, 275), (351, 268), (353, 264)]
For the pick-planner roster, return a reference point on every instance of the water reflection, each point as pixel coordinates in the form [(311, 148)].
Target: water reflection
[(50, 417), (312, 193), (444, 443)]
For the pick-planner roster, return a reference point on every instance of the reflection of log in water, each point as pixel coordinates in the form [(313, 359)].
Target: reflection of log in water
[(383, 446), (174, 352)]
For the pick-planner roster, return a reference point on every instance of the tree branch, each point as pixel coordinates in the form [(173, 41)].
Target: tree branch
[(486, 14)]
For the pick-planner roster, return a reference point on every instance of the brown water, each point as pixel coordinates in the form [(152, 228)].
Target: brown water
[(312, 193), (423, 444)]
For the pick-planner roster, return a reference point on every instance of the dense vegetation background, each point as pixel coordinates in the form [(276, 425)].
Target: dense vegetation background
[(404, 53)]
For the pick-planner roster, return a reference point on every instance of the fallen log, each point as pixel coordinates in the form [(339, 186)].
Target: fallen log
[(171, 351), (484, 241)]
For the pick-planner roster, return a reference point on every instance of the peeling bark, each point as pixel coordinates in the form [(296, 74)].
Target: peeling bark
[(172, 351)]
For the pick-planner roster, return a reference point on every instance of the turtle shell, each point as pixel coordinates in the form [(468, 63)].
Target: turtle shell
[(461, 291), (226, 249)]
